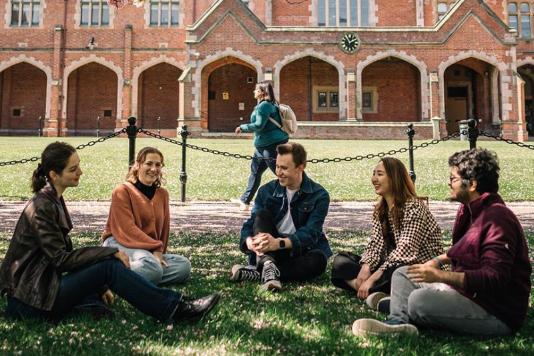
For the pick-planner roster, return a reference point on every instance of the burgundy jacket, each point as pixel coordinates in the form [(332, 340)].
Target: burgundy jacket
[(489, 246)]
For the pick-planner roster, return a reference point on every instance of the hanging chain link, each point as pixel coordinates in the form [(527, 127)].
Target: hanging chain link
[(511, 142), (79, 147)]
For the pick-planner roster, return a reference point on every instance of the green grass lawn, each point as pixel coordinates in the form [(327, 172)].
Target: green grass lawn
[(213, 177), (302, 319)]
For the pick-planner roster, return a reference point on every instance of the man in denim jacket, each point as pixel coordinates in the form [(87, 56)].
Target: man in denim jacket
[(488, 288), (284, 236)]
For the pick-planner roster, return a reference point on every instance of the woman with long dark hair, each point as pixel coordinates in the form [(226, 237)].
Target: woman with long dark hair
[(404, 233), (139, 221), (45, 277), (266, 137)]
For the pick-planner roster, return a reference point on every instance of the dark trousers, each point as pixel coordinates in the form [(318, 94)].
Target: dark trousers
[(307, 266), (78, 287), (346, 267), (263, 158)]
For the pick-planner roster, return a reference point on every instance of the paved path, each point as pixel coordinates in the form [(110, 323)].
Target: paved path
[(201, 216)]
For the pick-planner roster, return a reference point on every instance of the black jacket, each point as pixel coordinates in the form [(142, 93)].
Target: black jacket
[(41, 250)]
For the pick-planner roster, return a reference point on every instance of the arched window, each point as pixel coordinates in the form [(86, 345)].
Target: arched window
[(525, 20), (343, 13)]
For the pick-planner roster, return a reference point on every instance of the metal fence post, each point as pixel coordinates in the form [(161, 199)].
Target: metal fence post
[(472, 133), (131, 130), (411, 132), (183, 175), (157, 120), (98, 126), (40, 131)]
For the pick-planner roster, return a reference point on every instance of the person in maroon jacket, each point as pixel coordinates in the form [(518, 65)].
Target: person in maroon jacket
[(487, 289)]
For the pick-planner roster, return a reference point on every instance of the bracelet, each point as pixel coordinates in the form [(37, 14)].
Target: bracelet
[(441, 265)]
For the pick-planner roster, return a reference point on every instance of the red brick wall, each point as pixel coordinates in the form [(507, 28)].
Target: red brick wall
[(92, 89), (286, 14), (158, 96), (22, 86), (224, 115), (398, 84), (295, 80), (396, 13)]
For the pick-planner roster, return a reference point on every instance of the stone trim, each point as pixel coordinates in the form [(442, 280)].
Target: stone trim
[(309, 52), (525, 61), (46, 69), (144, 66), (506, 92), (423, 74), (228, 52), (86, 60)]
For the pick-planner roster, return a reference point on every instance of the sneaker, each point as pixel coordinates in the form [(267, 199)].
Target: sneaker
[(242, 205), (194, 310), (373, 299), (244, 273), (383, 305), (270, 277), (366, 327)]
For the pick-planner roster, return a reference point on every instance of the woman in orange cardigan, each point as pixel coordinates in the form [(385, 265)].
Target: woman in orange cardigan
[(139, 221)]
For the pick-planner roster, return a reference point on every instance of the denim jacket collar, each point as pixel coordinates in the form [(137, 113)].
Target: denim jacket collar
[(305, 187)]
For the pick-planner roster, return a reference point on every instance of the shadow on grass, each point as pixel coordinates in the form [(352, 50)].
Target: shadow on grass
[(314, 318)]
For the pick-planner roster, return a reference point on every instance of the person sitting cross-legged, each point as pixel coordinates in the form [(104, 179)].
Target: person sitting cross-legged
[(488, 288), (284, 236)]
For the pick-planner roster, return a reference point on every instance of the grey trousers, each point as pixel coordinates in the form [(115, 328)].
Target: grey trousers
[(438, 305)]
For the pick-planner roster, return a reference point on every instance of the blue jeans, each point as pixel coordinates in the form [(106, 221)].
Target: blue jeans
[(438, 305), (264, 157), (143, 262), (76, 287)]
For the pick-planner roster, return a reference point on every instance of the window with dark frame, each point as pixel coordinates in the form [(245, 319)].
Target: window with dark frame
[(367, 100), (512, 15), (94, 13), (107, 113), (25, 13), (322, 99), (524, 9), (164, 13), (334, 99), (16, 112)]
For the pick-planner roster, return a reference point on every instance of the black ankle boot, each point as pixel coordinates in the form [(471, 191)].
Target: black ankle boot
[(193, 310)]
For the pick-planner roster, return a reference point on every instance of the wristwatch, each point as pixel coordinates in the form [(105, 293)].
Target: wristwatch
[(282, 243)]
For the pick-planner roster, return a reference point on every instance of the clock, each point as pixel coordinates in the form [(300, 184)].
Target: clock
[(349, 42)]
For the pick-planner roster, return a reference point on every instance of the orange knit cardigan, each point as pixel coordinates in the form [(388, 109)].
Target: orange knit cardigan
[(136, 221)]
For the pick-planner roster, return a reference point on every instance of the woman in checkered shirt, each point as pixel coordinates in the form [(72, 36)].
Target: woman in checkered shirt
[(404, 233)]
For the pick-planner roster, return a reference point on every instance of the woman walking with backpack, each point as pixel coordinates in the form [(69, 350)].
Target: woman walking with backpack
[(267, 135)]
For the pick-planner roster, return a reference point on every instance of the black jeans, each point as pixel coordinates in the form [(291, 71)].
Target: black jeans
[(79, 286), (264, 157), (346, 267), (307, 266)]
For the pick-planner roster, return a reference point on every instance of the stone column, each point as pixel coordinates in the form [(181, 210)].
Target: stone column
[(351, 96)]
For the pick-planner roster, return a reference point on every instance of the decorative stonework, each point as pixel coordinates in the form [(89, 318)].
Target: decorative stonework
[(46, 69), (309, 52), (78, 18), (228, 52), (423, 74), (141, 68), (525, 61), (86, 60), (501, 67)]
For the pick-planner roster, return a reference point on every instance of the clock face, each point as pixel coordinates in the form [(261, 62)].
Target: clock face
[(349, 42)]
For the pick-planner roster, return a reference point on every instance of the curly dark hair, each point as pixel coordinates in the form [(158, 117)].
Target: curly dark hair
[(478, 164)]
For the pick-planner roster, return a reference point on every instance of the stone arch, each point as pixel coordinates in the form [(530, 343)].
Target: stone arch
[(92, 59), (309, 52), (46, 69), (501, 67), (421, 66), (228, 52), (525, 61), (145, 65)]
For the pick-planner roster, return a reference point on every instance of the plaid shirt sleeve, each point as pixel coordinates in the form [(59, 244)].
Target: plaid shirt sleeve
[(418, 240), (375, 250)]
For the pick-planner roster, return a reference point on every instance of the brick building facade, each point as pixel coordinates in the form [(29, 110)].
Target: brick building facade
[(73, 65)]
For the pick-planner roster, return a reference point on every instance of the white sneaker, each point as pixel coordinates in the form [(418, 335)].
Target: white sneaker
[(373, 299), (366, 327), (242, 205)]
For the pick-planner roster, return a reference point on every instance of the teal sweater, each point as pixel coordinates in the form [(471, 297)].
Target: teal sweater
[(265, 132)]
